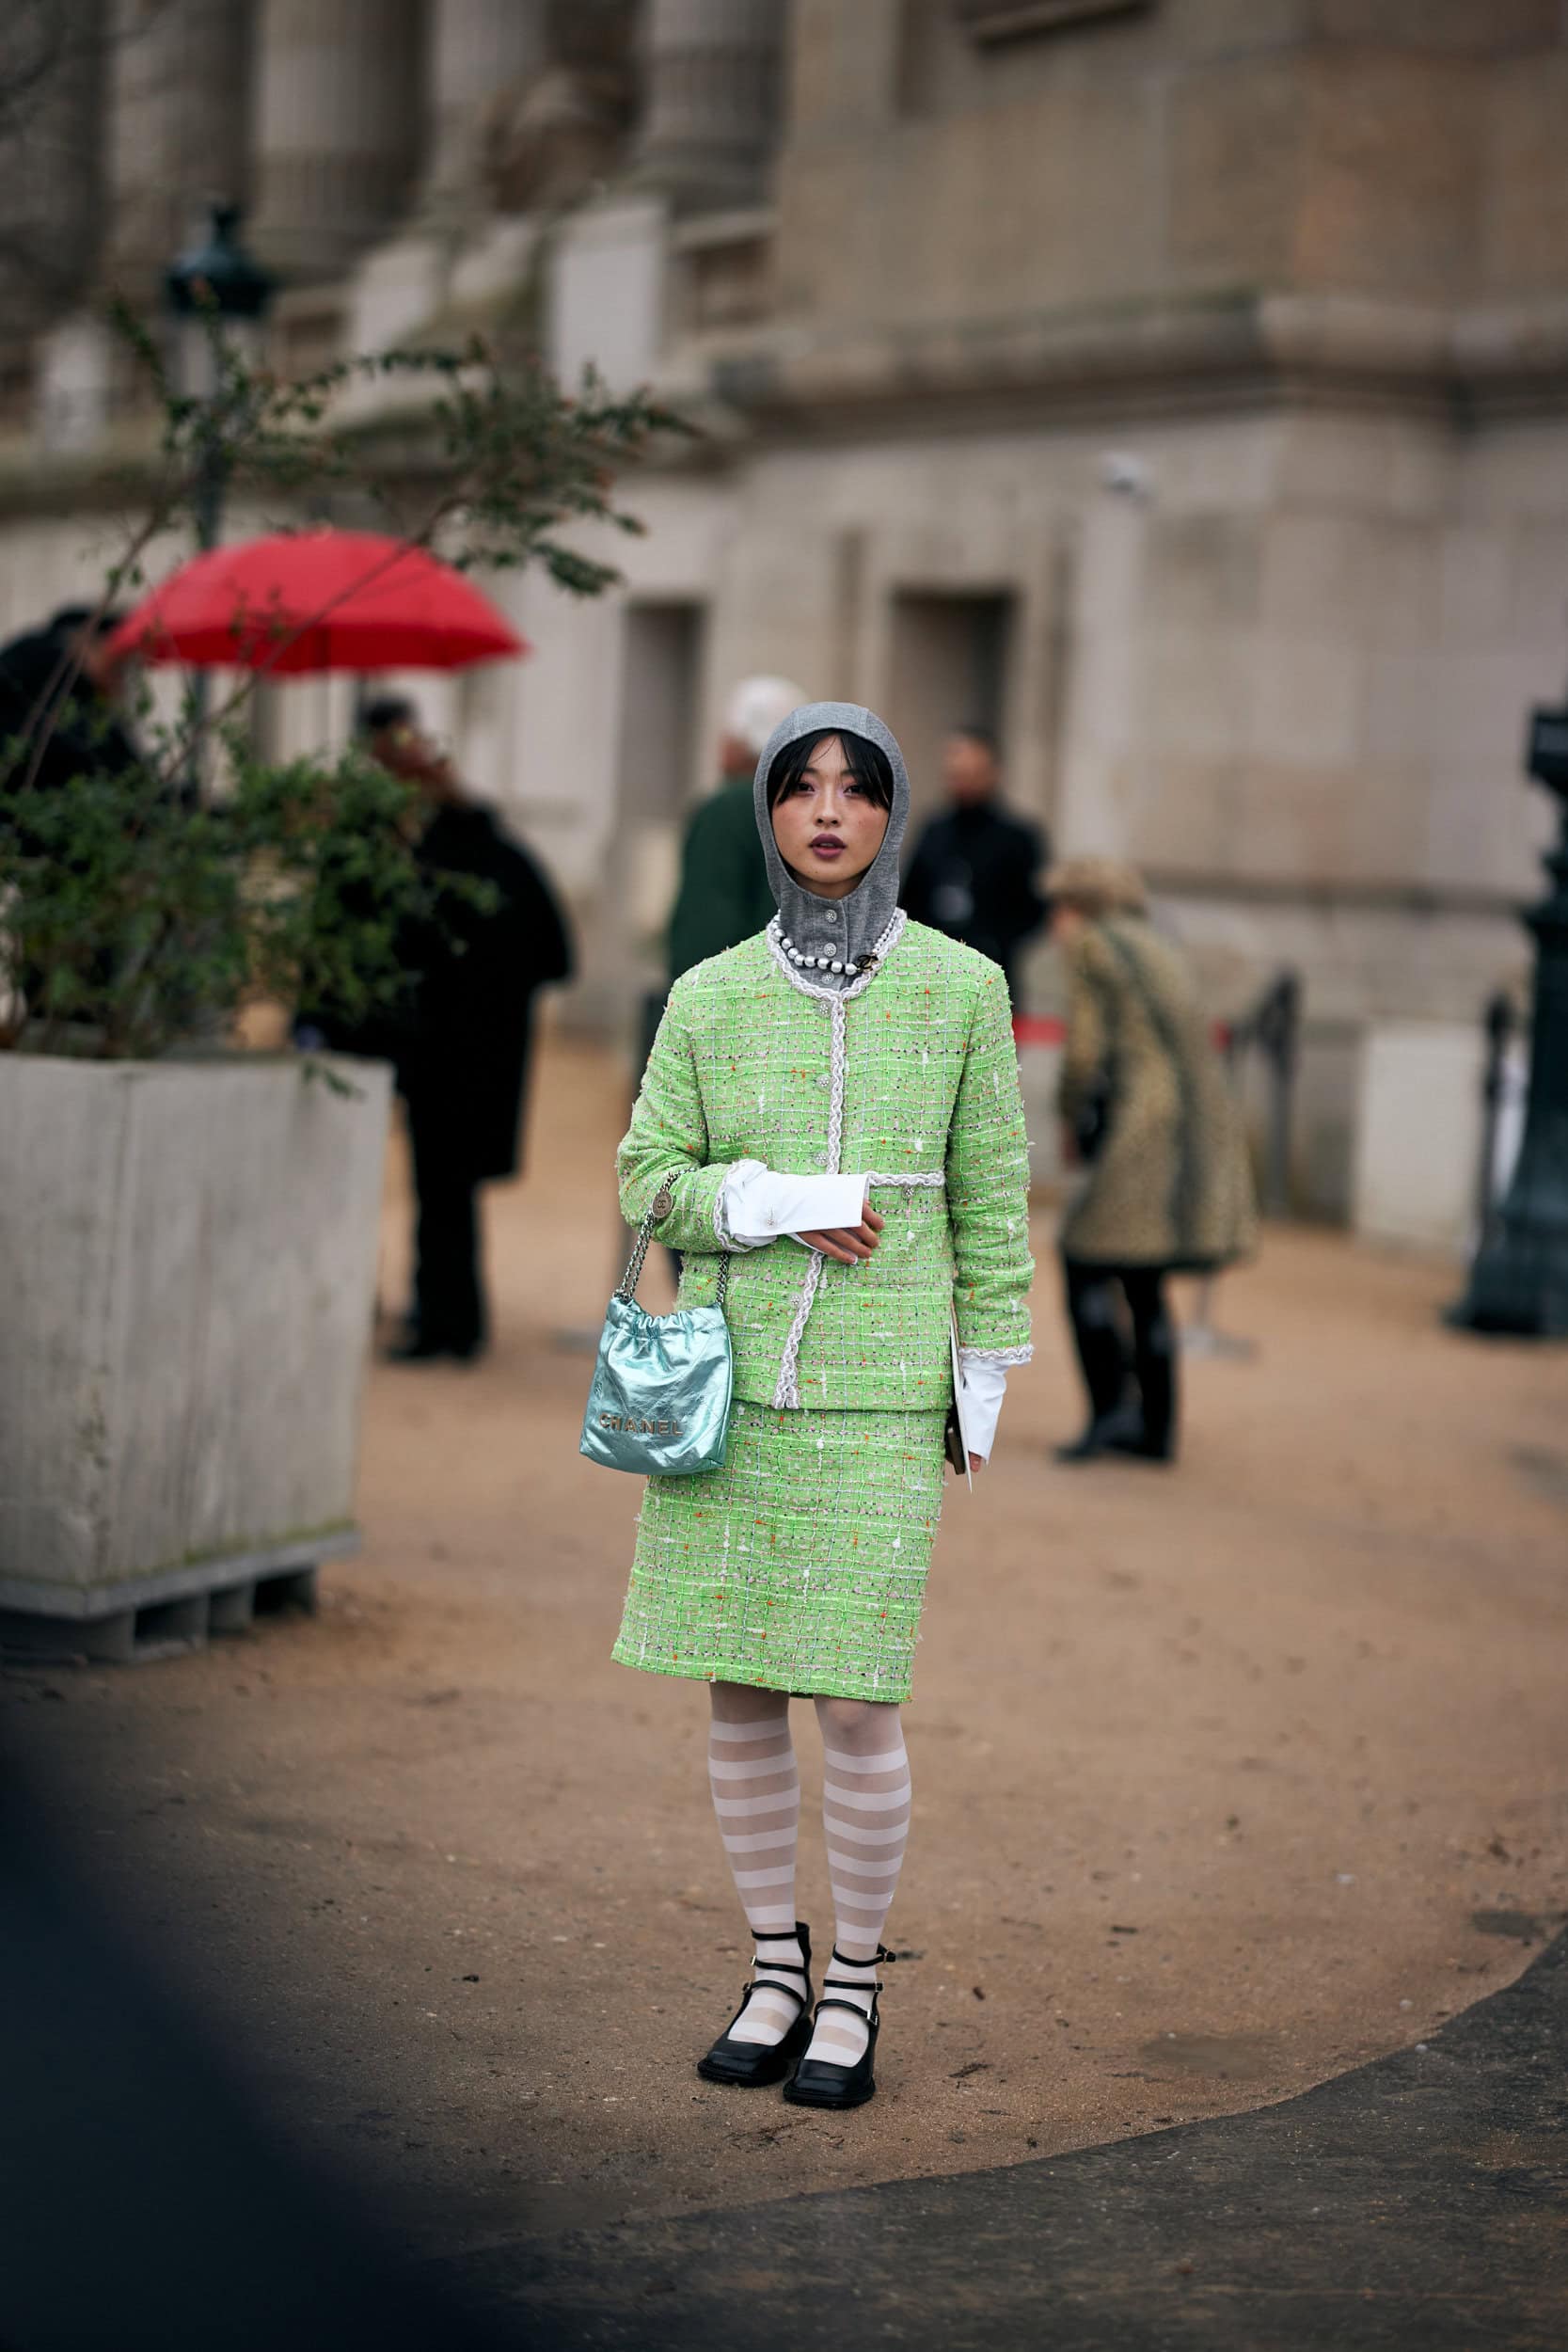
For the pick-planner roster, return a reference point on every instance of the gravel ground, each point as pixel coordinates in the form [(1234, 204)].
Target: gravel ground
[(1226, 1778)]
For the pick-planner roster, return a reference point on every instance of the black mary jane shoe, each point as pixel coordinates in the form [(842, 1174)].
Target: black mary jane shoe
[(818, 2083), (749, 2065)]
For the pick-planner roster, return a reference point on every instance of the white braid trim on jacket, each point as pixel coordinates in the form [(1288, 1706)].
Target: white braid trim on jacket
[(787, 1393)]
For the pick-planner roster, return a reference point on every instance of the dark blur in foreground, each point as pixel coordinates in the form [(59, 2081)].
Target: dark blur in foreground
[(150, 2200)]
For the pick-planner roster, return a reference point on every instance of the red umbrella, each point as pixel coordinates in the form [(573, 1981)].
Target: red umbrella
[(318, 600)]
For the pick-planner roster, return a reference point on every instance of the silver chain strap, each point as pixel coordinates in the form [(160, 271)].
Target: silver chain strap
[(662, 1203)]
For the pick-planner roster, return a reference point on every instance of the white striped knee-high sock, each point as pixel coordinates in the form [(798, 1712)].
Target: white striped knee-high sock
[(756, 1796), (865, 1811)]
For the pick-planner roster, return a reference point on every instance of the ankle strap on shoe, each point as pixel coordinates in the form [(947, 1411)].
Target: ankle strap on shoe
[(880, 1958), (853, 2007), (800, 1933), (761, 1984)]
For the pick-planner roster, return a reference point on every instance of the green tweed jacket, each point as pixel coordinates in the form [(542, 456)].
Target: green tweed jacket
[(911, 1076)]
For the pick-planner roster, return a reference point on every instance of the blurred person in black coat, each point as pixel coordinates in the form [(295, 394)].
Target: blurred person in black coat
[(462, 1052), (974, 867), (60, 722), (61, 683)]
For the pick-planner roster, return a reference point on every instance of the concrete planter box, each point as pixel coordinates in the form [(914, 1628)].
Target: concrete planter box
[(187, 1273)]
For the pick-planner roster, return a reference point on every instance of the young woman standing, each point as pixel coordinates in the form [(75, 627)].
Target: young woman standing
[(834, 1106)]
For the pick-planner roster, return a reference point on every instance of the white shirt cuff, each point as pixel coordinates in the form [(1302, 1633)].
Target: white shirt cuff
[(760, 1204), (985, 1385)]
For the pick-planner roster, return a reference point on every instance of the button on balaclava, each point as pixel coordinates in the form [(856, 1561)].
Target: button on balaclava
[(843, 930)]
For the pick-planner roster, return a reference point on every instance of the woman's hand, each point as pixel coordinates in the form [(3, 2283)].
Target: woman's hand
[(847, 1244), (977, 1461)]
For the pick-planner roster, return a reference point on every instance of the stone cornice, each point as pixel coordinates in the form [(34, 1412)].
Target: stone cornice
[(116, 478), (1345, 894), (1226, 351), (1229, 348), (121, 477)]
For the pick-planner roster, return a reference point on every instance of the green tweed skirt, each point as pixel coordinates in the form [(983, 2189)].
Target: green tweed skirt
[(801, 1565)]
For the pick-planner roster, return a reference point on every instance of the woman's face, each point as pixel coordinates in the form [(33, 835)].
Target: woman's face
[(828, 827)]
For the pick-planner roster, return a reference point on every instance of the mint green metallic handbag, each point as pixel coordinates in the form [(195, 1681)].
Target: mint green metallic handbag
[(660, 1400)]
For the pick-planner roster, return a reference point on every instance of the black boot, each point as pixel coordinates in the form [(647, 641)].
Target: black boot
[(1102, 1360), (1121, 1432), (1154, 1369), (419, 1348)]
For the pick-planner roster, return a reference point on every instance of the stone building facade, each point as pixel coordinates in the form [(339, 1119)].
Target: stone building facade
[(1180, 386)]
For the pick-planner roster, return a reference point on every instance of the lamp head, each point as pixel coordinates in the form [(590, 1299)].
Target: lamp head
[(217, 277), (1546, 752)]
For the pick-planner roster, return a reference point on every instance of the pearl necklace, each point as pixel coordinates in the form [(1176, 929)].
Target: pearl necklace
[(817, 963)]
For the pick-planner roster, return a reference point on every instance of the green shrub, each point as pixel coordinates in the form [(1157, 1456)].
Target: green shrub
[(137, 907)]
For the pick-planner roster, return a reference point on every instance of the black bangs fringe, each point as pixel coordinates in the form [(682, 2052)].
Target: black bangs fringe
[(866, 762)]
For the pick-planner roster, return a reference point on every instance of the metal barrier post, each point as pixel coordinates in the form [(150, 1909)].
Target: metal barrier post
[(1497, 1019), (1279, 1032)]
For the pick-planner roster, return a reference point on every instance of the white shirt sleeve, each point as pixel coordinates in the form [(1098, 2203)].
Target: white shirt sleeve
[(760, 1204), (985, 1384)]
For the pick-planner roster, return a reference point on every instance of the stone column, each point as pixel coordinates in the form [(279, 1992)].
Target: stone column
[(479, 50), (712, 99), (50, 159), (340, 115), (1105, 688), (178, 130)]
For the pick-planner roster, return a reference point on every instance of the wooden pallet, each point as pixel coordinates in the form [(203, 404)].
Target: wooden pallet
[(158, 1629)]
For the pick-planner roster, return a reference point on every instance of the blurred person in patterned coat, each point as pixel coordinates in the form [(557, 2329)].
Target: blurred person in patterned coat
[(1148, 1109)]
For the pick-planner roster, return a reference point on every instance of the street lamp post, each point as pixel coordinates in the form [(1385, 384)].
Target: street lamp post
[(218, 294), (1519, 1281)]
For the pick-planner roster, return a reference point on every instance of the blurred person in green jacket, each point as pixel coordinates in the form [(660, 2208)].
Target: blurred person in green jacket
[(724, 895)]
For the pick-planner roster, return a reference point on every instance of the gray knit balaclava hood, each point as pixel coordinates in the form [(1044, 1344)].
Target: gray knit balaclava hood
[(841, 930)]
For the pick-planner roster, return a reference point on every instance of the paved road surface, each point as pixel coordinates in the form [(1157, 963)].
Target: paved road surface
[(1227, 1780)]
